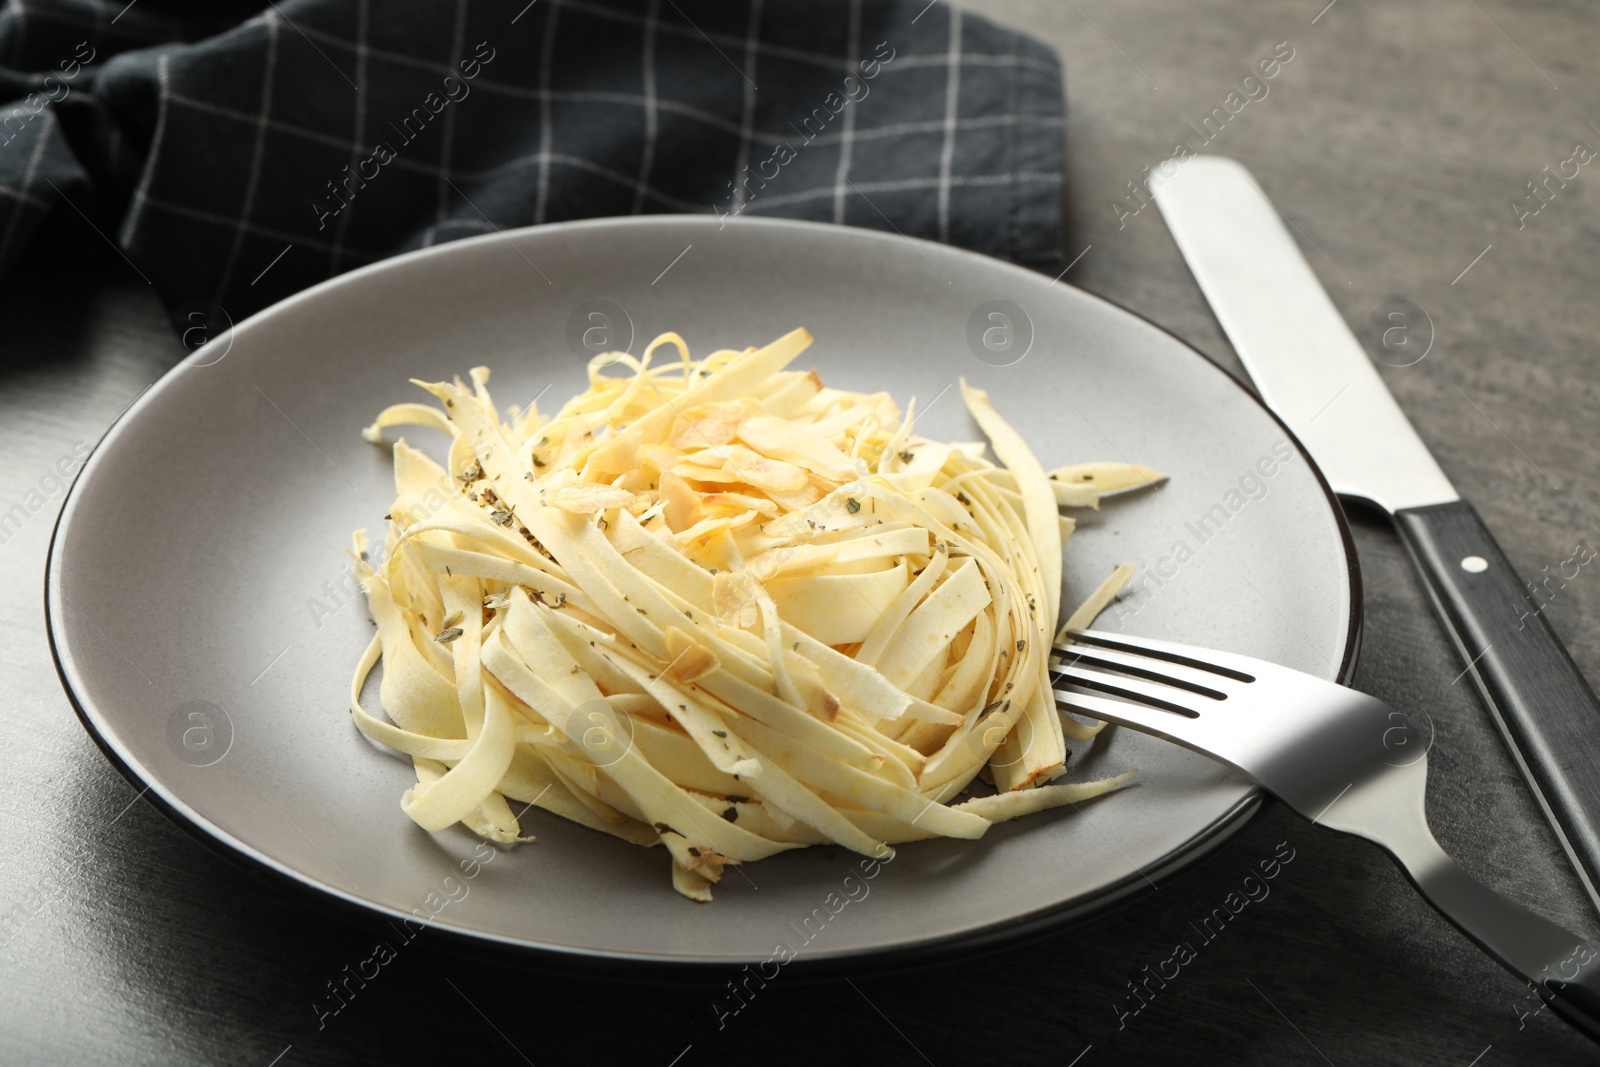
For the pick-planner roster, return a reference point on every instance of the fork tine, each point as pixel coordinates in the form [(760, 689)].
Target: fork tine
[(1179, 729), (1149, 694), (1140, 666), (1225, 664)]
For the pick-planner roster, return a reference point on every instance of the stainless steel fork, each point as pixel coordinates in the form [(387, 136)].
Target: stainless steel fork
[(1340, 758)]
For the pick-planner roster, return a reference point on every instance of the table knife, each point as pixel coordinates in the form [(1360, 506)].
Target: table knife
[(1311, 370)]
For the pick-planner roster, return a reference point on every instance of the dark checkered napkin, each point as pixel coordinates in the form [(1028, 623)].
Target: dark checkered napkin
[(237, 153)]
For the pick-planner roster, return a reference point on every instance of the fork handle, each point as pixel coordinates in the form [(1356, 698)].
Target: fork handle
[(1389, 809), (1560, 965), (1546, 712)]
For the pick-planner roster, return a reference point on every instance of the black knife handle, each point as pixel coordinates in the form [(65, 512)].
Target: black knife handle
[(1545, 710)]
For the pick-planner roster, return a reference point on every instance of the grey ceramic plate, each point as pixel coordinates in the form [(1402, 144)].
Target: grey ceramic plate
[(203, 622)]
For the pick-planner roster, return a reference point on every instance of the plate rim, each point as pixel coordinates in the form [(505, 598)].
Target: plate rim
[(944, 947)]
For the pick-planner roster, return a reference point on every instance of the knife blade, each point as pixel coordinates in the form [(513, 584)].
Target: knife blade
[(1311, 370)]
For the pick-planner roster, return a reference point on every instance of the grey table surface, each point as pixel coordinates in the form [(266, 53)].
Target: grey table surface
[(1396, 140)]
